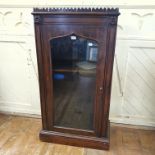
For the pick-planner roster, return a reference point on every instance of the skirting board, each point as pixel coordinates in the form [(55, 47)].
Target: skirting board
[(131, 121), (22, 111), (138, 121)]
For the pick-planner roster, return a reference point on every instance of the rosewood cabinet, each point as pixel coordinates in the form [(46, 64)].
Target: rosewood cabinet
[(75, 52)]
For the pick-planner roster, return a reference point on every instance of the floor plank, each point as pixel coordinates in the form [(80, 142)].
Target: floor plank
[(19, 136)]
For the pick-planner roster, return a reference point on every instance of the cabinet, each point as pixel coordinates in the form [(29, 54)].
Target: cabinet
[(75, 52)]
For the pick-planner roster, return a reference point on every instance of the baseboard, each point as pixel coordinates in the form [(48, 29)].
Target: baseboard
[(26, 111), (20, 114), (134, 121), (131, 122)]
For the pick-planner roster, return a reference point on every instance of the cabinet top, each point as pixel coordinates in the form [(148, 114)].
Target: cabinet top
[(81, 11)]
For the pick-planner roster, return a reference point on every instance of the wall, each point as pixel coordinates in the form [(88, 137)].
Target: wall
[(18, 66), (133, 94), (133, 91)]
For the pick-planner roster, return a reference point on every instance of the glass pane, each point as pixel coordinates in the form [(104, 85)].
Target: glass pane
[(74, 79)]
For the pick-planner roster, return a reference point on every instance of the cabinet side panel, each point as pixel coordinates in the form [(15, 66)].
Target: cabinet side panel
[(110, 50), (41, 74)]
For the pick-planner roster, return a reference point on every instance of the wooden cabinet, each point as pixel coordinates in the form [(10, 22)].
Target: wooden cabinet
[(75, 52)]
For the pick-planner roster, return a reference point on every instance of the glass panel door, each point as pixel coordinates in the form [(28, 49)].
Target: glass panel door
[(74, 61)]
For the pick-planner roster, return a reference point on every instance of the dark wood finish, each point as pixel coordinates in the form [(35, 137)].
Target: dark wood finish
[(75, 140), (95, 24)]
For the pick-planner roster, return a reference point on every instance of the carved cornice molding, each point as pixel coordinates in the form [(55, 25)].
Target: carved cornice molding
[(102, 11)]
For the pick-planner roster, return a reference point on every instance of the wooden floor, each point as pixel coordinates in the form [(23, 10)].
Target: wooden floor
[(19, 136)]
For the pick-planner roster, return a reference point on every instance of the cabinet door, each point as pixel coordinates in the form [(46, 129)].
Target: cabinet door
[(74, 60), (74, 78)]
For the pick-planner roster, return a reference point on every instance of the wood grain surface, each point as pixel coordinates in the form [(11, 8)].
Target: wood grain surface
[(96, 25), (19, 136)]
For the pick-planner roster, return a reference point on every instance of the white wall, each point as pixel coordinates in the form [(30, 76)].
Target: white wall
[(18, 66), (133, 93)]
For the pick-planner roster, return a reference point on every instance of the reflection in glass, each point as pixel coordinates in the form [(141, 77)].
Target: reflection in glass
[(74, 78)]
